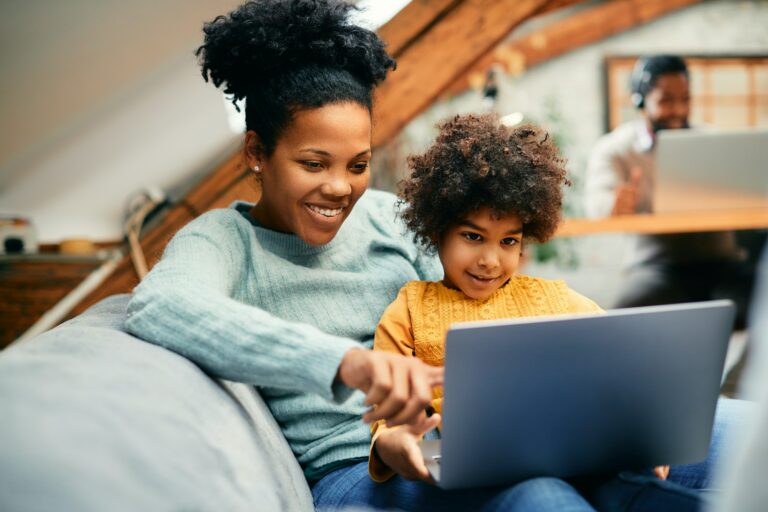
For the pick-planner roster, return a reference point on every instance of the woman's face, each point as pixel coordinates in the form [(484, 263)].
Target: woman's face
[(317, 172)]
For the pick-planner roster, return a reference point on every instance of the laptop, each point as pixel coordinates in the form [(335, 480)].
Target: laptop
[(575, 395), (735, 160)]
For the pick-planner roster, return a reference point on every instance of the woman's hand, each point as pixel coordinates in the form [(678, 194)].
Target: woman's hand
[(398, 387), (399, 448), (661, 471)]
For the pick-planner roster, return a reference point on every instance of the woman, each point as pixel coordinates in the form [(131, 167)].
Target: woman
[(286, 294)]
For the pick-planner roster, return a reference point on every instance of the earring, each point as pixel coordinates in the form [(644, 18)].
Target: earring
[(256, 169)]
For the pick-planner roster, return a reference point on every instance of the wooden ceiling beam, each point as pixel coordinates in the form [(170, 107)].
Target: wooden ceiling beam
[(438, 56), (578, 30), (553, 5), (412, 21)]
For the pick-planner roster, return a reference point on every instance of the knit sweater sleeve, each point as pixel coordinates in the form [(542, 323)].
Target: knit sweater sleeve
[(187, 304), (387, 220), (393, 334), (428, 266)]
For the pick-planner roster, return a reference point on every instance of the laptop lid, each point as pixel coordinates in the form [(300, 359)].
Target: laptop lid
[(575, 395), (727, 160)]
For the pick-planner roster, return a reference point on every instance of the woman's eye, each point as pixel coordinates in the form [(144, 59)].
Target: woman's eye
[(473, 237), (510, 241), (312, 164), (360, 167)]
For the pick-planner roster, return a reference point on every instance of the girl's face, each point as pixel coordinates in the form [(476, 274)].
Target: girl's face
[(481, 252), (317, 172)]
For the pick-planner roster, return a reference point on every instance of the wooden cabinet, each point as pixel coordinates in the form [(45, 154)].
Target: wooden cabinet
[(32, 285)]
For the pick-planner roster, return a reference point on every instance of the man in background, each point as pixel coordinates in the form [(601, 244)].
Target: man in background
[(621, 178)]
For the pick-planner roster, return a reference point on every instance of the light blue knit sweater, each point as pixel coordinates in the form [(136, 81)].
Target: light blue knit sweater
[(253, 305)]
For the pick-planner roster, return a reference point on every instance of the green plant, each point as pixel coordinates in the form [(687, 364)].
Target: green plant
[(560, 251)]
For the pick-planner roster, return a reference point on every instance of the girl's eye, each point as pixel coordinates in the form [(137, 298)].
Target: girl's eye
[(473, 237), (510, 241), (360, 167)]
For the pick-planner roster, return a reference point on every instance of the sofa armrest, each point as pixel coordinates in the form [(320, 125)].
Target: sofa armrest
[(96, 419)]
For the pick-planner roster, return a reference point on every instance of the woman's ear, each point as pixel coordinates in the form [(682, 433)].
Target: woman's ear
[(254, 150)]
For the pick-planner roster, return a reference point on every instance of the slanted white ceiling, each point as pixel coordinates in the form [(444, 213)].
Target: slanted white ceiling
[(99, 99)]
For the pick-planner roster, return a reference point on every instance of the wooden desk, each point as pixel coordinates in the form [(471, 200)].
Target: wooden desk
[(683, 207), (669, 222)]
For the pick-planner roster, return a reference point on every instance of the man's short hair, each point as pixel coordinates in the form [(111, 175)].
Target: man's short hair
[(647, 71)]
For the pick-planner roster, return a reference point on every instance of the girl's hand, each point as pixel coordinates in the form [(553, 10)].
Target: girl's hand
[(399, 449), (398, 387), (661, 471)]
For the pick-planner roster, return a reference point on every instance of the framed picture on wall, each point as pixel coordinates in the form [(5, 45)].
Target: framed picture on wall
[(726, 91)]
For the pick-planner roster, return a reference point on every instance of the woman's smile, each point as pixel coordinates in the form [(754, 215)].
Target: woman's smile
[(324, 218), (326, 211)]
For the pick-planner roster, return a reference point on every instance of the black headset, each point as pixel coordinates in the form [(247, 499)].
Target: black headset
[(638, 82), (647, 70)]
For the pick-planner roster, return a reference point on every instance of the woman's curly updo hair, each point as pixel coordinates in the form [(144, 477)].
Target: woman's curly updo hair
[(283, 56), (477, 162)]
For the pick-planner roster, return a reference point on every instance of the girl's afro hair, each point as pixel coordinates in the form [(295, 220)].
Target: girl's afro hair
[(477, 162)]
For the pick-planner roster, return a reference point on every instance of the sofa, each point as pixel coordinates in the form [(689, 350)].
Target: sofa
[(92, 418)]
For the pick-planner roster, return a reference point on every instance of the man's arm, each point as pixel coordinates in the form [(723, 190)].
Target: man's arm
[(609, 188)]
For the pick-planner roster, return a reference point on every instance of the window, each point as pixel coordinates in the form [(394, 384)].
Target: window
[(726, 92)]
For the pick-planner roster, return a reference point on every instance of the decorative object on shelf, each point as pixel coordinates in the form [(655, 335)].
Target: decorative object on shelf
[(17, 236), (78, 247), (141, 208)]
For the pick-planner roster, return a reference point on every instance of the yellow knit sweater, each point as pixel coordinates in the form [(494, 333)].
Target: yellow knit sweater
[(416, 322)]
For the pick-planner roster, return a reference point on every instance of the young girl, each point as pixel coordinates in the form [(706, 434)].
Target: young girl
[(475, 196)]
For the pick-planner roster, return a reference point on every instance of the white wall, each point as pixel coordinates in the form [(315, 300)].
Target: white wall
[(158, 136)]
